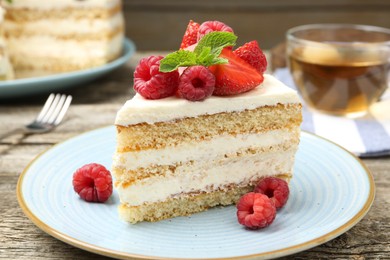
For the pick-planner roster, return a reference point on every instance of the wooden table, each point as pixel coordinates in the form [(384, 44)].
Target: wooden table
[(94, 106)]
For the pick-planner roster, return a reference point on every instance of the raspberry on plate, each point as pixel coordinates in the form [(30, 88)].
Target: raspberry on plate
[(151, 83), (93, 182), (196, 83), (275, 188), (255, 210), (212, 26), (251, 53)]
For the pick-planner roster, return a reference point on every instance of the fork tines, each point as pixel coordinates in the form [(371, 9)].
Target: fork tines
[(54, 109)]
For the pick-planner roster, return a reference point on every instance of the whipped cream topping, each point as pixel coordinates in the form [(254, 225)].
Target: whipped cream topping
[(140, 110)]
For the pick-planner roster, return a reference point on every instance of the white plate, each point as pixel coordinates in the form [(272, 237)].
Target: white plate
[(46, 84), (330, 192)]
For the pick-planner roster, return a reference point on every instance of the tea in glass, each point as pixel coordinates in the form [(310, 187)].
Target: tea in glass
[(336, 69)]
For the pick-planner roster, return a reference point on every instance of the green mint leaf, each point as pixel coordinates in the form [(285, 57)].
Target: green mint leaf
[(180, 58), (216, 41), (206, 53), (217, 60), (205, 57)]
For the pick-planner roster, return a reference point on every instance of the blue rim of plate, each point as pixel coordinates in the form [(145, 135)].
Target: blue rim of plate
[(16, 87), (265, 255)]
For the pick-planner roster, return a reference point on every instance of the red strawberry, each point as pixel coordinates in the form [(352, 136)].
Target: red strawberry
[(251, 53), (234, 77), (191, 35)]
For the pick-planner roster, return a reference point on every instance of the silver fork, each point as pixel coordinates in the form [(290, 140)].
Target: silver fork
[(50, 116)]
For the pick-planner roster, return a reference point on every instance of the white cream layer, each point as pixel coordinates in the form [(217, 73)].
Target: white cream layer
[(201, 151), (32, 47), (207, 178), (56, 4), (67, 26), (139, 110)]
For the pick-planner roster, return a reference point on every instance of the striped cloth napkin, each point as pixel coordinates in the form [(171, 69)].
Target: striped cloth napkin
[(368, 136)]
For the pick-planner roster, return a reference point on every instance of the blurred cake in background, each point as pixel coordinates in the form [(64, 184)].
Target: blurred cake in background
[(52, 36), (6, 71)]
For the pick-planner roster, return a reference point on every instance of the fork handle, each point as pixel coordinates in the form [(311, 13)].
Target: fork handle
[(10, 133)]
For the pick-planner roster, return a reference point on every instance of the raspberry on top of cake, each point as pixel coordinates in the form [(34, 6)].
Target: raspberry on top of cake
[(205, 126)]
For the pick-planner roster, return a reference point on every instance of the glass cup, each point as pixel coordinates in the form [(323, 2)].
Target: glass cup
[(339, 69)]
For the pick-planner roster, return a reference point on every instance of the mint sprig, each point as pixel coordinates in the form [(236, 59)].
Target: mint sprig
[(206, 53), (180, 58)]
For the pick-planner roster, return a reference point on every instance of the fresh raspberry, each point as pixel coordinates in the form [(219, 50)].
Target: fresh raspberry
[(150, 83), (93, 182), (196, 83), (191, 35), (251, 53), (255, 210), (212, 26), (275, 188)]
